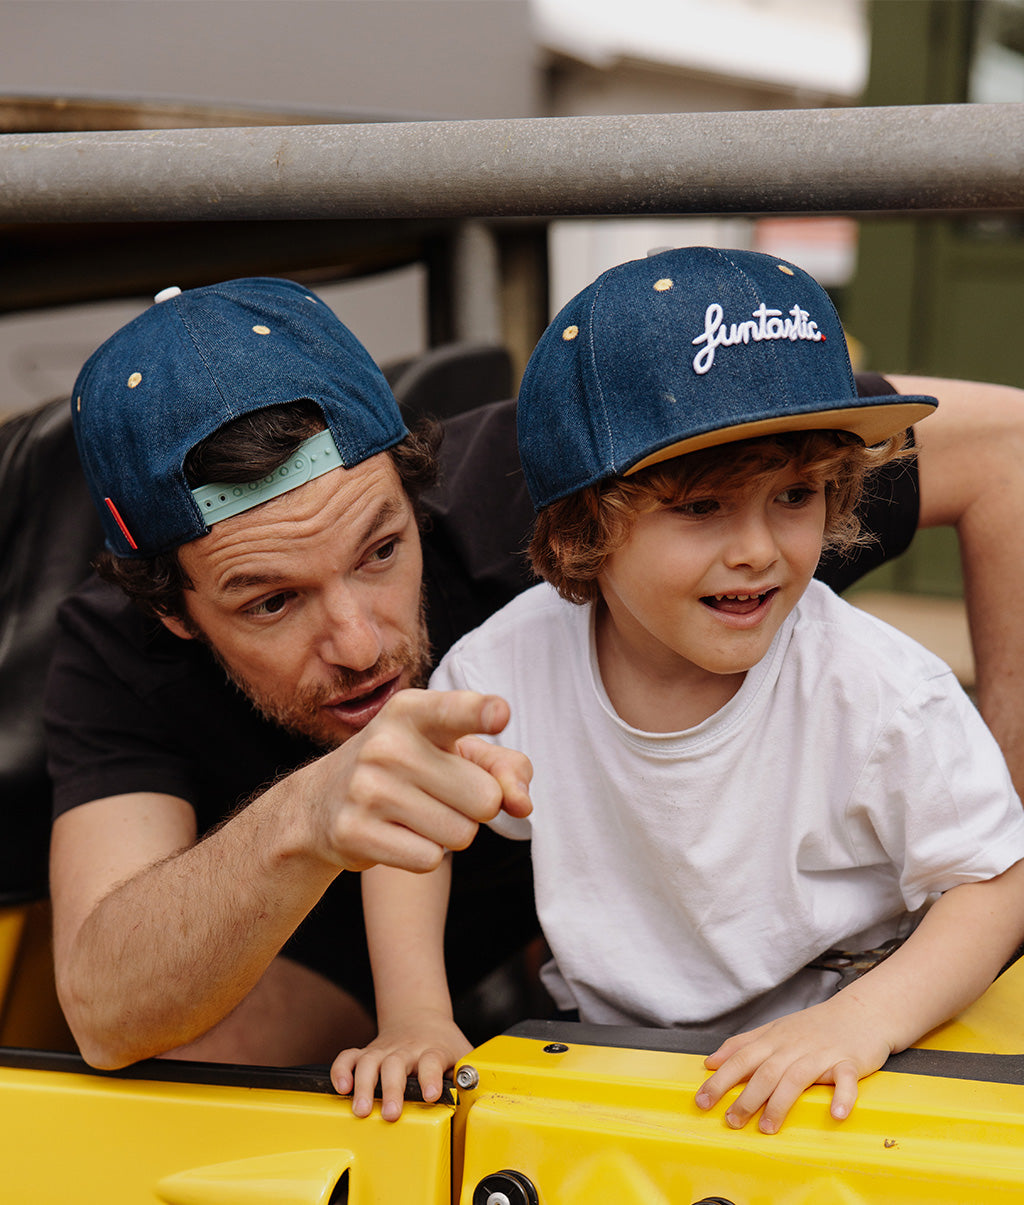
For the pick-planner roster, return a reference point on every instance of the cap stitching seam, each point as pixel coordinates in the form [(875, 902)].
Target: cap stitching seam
[(188, 328), (597, 377)]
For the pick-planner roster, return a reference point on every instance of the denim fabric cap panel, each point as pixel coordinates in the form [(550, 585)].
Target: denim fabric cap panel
[(193, 362), (682, 350)]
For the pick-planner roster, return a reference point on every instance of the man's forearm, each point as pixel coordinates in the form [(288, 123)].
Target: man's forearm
[(971, 453), (171, 951), (157, 938)]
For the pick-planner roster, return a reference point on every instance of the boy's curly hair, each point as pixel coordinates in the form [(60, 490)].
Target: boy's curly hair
[(574, 536)]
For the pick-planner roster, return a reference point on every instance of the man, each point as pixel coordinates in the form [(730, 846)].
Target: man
[(186, 922)]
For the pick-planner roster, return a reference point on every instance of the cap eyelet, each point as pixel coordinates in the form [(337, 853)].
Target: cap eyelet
[(570, 333)]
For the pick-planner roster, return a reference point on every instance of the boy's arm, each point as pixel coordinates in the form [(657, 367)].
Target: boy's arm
[(405, 917), (951, 958)]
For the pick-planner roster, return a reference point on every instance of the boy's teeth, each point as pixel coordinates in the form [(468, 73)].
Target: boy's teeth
[(736, 597)]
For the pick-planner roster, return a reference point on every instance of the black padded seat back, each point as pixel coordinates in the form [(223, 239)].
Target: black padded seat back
[(450, 379), (49, 532)]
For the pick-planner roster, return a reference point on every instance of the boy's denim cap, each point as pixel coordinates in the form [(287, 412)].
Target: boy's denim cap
[(684, 350), (193, 362)]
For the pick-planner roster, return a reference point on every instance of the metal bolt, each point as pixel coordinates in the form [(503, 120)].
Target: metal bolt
[(466, 1077), (555, 1048), (506, 1187)]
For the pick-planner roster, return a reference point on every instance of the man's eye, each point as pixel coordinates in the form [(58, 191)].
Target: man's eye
[(384, 552), (269, 606)]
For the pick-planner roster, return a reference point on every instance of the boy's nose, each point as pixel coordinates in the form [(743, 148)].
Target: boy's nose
[(752, 544)]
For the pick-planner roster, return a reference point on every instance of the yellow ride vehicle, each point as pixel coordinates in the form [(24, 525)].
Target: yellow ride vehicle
[(548, 1113)]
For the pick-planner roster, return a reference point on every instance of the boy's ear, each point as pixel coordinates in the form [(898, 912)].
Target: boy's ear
[(177, 627)]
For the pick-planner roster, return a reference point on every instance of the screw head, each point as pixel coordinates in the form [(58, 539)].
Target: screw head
[(467, 1077)]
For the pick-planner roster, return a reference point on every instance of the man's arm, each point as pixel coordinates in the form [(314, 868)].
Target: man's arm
[(971, 469), (157, 938)]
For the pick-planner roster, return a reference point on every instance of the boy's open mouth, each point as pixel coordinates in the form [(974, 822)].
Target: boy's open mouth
[(738, 604)]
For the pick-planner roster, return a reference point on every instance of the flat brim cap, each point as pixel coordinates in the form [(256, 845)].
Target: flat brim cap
[(683, 350), (194, 362)]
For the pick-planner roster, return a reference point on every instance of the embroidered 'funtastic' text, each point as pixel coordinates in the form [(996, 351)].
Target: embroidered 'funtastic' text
[(765, 324)]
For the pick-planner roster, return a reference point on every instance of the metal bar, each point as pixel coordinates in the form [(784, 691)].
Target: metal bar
[(936, 158)]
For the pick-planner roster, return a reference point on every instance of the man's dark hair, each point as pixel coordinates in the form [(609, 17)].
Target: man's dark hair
[(244, 450)]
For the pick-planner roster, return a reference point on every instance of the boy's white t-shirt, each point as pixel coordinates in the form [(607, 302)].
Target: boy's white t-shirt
[(690, 877)]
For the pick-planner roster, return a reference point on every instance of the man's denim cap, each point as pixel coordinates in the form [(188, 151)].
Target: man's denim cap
[(684, 350), (195, 361)]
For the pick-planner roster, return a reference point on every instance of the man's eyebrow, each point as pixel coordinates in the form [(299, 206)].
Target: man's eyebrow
[(390, 509), (241, 582)]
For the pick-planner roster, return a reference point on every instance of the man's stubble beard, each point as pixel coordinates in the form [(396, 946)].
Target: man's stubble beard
[(302, 715)]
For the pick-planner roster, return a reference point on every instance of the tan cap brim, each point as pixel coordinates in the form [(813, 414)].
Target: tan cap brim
[(872, 424)]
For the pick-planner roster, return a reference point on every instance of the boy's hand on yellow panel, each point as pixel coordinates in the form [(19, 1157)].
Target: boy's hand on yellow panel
[(424, 1043), (837, 1042)]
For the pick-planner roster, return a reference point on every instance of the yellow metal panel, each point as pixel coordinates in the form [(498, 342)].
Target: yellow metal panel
[(287, 1178), (105, 1139), (601, 1116), (12, 925)]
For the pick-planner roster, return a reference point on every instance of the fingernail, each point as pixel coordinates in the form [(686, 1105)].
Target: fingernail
[(390, 1111), (767, 1127), (840, 1112), (703, 1100), (361, 1107), (733, 1122)]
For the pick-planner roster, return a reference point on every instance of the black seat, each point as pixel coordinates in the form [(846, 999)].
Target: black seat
[(447, 380), (49, 532)]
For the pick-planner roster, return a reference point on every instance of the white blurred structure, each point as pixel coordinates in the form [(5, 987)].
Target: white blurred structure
[(714, 54)]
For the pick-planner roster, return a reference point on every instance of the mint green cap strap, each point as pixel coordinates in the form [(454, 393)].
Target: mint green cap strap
[(312, 458)]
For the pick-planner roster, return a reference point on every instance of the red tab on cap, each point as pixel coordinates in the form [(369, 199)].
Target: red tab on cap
[(120, 522)]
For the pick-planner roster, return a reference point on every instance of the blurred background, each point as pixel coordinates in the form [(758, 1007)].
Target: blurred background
[(937, 295)]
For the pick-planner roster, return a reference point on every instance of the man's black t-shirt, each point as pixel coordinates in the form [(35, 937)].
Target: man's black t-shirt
[(131, 708)]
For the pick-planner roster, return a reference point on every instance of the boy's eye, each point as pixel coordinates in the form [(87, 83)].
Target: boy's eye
[(697, 508), (797, 495)]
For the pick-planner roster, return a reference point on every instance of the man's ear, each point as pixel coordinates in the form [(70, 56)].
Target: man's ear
[(177, 627)]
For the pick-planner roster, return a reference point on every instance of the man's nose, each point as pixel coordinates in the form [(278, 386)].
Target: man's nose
[(349, 637)]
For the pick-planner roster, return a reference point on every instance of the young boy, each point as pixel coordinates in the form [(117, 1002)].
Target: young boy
[(734, 770)]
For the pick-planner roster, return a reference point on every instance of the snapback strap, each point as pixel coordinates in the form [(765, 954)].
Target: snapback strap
[(312, 458)]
